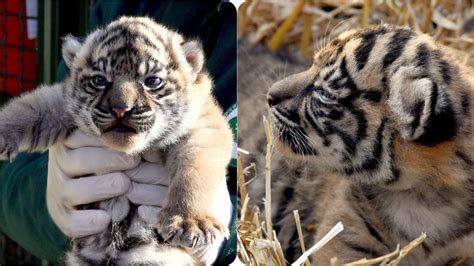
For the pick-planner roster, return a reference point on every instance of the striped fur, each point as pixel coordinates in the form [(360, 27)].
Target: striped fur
[(379, 132), (139, 87)]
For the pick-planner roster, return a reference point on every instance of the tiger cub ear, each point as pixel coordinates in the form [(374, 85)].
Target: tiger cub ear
[(188, 54), (194, 55), (71, 46), (423, 111)]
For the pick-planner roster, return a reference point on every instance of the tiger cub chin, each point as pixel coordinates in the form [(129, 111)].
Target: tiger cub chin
[(379, 133), (138, 86)]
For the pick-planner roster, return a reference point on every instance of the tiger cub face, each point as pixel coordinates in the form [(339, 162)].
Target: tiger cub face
[(367, 93), (134, 83)]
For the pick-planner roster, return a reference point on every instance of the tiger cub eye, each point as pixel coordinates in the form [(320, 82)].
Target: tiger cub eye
[(153, 82)]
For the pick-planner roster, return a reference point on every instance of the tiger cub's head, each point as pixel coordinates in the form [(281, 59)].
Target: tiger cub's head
[(134, 83), (367, 93)]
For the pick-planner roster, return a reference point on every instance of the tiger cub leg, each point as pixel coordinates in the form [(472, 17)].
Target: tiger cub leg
[(34, 122)]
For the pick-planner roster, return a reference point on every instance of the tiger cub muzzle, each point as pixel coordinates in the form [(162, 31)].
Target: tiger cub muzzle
[(284, 100), (123, 116)]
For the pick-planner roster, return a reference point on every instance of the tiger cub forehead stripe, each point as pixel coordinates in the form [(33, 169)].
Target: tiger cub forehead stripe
[(445, 68), (395, 48), (152, 66), (367, 44), (99, 65)]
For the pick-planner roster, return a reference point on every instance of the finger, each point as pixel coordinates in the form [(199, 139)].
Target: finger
[(149, 173), (149, 214), (80, 139), (95, 160), (146, 194), (95, 188), (207, 254), (86, 222), (152, 157)]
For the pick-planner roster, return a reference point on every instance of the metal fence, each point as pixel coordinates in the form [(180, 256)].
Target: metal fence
[(17, 48)]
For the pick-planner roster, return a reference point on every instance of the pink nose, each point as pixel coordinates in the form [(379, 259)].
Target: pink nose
[(119, 111)]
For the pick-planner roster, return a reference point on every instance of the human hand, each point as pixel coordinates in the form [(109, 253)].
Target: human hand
[(107, 174), (72, 181), (149, 187)]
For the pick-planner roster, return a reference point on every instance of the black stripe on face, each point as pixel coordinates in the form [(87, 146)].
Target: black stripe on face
[(350, 143), (295, 137), (345, 73), (443, 66), (329, 74), (396, 46), (366, 45), (331, 61), (373, 96), (361, 124), (112, 38), (291, 115), (337, 83), (124, 30), (84, 83), (335, 115), (307, 113), (150, 27), (155, 66), (446, 71), (165, 92), (422, 56), (142, 38), (372, 163)]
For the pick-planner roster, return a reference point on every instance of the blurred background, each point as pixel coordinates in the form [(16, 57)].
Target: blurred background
[(301, 26), (30, 36)]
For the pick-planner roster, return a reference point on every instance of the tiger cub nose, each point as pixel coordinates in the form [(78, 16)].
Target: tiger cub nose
[(120, 112), (272, 100), (289, 87), (279, 92), (275, 97)]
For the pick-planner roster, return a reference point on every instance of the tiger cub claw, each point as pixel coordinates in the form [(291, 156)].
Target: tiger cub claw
[(190, 231), (8, 150)]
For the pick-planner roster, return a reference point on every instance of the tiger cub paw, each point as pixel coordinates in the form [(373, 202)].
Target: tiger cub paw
[(191, 231), (8, 149)]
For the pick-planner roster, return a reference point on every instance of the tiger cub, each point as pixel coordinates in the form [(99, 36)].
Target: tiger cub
[(138, 86), (378, 134)]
